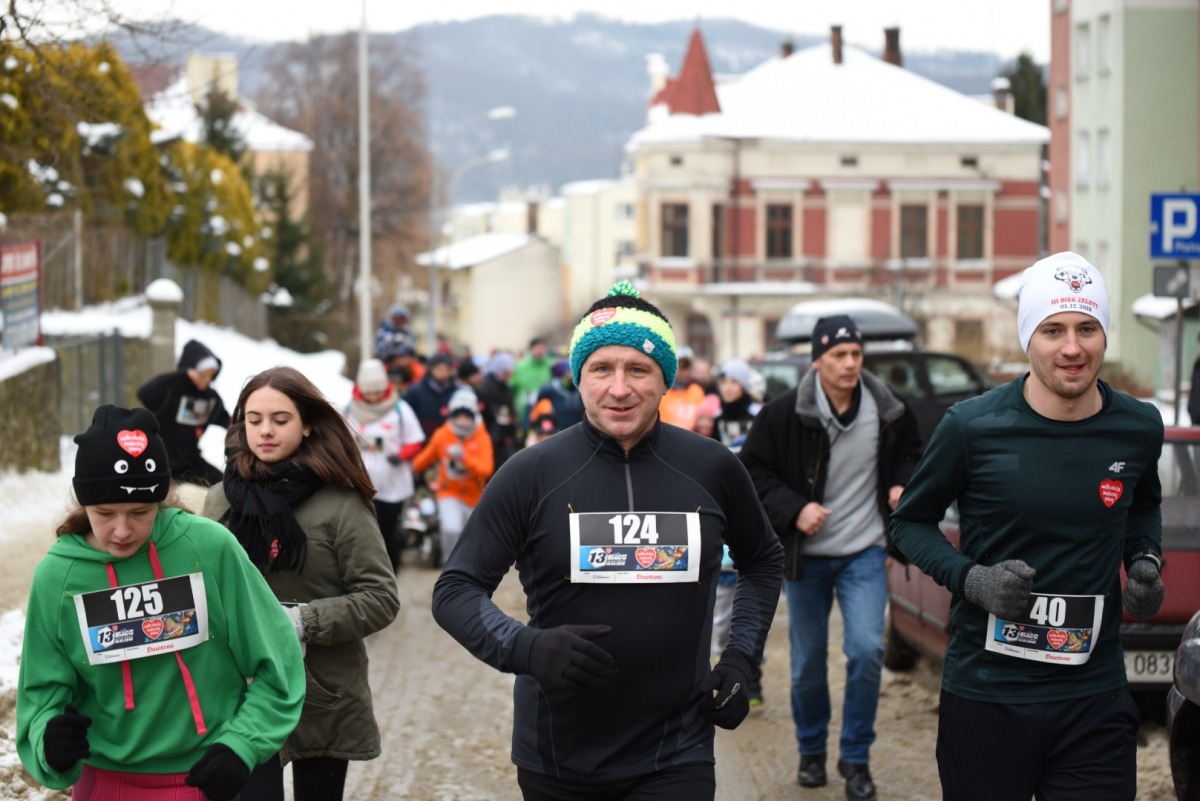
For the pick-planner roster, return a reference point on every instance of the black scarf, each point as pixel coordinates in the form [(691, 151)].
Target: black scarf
[(260, 514)]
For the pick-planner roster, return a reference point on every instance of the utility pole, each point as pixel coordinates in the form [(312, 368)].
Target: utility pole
[(364, 194)]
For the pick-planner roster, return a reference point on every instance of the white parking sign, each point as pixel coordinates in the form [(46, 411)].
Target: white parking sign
[(1174, 226)]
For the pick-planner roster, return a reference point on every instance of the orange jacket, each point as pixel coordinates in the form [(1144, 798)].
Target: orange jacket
[(477, 461), (679, 406)]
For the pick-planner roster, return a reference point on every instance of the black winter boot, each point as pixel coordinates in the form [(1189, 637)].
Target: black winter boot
[(859, 786), (812, 771)]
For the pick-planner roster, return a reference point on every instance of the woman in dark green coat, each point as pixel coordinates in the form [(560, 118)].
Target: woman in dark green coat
[(296, 495)]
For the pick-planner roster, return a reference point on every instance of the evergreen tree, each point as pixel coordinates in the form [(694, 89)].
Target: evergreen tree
[(219, 133), (1028, 84), (296, 262)]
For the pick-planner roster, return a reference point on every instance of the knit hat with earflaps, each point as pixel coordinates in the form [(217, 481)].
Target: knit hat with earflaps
[(624, 318), (121, 459)]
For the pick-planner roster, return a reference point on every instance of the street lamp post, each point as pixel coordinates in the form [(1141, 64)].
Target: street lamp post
[(438, 221), (364, 195)]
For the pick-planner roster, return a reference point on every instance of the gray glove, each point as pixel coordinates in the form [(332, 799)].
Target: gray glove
[(1143, 589), (1001, 589)]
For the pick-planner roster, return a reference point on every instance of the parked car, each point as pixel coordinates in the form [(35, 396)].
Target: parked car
[(1183, 714), (930, 382), (919, 608)]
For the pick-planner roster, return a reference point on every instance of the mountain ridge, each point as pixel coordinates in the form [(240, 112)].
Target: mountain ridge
[(579, 86)]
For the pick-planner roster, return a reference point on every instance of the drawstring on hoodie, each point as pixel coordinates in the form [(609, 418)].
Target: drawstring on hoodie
[(127, 673)]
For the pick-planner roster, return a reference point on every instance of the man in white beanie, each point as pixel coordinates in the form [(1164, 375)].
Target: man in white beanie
[(1055, 476)]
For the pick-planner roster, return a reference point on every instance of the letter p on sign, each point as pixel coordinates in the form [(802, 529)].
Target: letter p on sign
[(1179, 221), (1175, 226)]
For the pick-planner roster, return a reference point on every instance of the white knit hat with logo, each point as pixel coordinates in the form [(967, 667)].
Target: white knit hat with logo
[(1064, 282)]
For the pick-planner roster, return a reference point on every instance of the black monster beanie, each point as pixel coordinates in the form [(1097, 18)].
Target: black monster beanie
[(121, 459)]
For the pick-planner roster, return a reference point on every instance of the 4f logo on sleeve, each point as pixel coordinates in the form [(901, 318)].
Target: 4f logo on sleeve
[(1116, 467)]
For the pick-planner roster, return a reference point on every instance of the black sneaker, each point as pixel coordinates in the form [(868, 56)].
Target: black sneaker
[(812, 771), (859, 786)]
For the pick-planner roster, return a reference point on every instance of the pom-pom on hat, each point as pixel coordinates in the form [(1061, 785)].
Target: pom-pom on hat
[(1064, 282), (121, 459), (371, 376), (624, 318), (829, 332)]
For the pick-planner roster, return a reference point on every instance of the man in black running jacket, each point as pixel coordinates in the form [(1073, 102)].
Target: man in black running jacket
[(616, 526)]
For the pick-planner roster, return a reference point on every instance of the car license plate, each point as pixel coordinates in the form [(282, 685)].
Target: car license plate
[(1149, 667)]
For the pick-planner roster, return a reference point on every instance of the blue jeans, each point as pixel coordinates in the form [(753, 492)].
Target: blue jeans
[(860, 582)]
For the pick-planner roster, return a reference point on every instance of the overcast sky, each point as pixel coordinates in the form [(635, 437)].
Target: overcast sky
[(1006, 27)]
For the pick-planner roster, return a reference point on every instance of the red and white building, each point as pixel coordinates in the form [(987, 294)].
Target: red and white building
[(827, 172)]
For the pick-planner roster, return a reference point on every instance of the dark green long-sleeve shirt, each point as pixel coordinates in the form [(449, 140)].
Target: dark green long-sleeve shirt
[(1071, 499)]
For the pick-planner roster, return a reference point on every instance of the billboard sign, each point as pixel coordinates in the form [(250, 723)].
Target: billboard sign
[(20, 283)]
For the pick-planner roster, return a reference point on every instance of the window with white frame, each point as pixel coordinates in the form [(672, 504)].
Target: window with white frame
[(674, 229), (1081, 53), (970, 231), (624, 212), (1083, 159), (914, 231), (1104, 45), (1062, 102), (1103, 158)]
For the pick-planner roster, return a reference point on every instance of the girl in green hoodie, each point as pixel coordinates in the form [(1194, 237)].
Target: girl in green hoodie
[(156, 662)]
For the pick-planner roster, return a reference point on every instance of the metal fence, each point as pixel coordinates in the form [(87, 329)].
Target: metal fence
[(88, 261), (92, 371)]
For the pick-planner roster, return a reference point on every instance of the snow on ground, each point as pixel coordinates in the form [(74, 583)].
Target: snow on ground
[(34, 502)]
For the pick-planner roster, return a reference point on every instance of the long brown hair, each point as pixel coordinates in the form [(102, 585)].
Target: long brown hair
[(329, 450)]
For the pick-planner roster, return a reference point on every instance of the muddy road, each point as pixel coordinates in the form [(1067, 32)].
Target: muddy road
[(447, 718), (447, 722)]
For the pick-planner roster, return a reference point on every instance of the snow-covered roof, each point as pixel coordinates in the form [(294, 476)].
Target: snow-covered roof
[(176, 116), (1156, 307), (806, 97), (475, 250), (591, 187)]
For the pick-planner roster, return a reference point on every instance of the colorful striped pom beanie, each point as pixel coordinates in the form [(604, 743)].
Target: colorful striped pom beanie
[(623, 318)]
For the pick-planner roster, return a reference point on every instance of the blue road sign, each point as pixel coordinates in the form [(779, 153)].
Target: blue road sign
[(1175, 226)]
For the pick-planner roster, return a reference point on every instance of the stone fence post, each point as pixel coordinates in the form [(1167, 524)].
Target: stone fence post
[(165, 299)]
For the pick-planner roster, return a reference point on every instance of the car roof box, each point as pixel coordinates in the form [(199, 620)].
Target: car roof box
[(875, 319)]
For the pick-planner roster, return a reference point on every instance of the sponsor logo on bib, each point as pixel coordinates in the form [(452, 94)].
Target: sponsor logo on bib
[(644, 556), (152, 628), (1056, 638)]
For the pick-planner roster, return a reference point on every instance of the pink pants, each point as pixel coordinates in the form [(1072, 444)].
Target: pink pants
[(107, 785)]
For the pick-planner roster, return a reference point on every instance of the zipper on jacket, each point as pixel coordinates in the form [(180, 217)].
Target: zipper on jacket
[(628, 482)]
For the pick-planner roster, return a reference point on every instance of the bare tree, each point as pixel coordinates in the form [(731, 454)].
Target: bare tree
[(313, 87)]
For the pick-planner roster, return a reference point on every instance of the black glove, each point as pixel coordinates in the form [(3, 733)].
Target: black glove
[(394, 459), (730, 704), (1143, 589), (1002, 589), (565, 656), (65, 741), (220, 774)]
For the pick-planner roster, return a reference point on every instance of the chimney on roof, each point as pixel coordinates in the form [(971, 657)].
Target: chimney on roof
[(891, 46), (835, 40), (787, 48), (1002, 94), (531, 217)]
